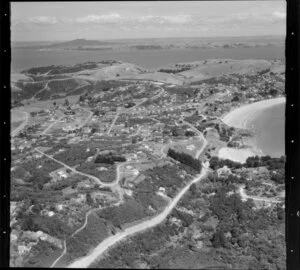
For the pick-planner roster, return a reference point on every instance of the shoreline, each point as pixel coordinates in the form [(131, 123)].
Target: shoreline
[(239, 118)]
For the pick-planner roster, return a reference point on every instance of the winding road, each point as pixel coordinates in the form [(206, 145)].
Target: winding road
[(256, 198), (61, 255), (86, 261), (89, 212)]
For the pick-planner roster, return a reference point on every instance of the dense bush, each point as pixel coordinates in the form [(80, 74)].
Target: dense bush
[(186, 218), (269, 162), (50, 225), (185, 159), (189, 133), (174, 71), (109, 159), (60, 69), (216, 163), (39, 70)]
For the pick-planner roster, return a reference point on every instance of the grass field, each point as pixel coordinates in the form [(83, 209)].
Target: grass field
[(17, 115)]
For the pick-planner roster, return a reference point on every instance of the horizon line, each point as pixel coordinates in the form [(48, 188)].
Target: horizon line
[(283, 36)]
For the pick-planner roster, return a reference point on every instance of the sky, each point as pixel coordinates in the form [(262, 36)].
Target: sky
[(60, 21)]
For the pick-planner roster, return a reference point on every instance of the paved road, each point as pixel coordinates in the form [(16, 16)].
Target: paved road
[(86, 261), (19, 128)]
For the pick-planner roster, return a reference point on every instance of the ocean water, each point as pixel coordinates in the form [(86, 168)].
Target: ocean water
[(269, 127), (27, 58)]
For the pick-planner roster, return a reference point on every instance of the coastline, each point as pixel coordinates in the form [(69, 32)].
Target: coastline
[(239, 118)]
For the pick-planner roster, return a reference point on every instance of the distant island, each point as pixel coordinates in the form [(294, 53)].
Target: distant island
[(154, 44)]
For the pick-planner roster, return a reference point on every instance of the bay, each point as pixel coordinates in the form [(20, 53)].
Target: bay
[(27, 58), (269, 127)]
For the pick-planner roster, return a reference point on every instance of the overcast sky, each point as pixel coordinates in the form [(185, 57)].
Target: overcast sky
[(53, 21)]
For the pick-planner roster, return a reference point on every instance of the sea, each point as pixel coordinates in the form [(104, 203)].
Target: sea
[(269, 125), (269, 128), (22, 59)]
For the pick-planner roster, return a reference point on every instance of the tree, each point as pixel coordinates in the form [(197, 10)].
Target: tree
[(273, 92), (40, 186), (81, 98), (28, 224), (185, 159), (189, 133), (280, 213), (93, 130), (89, 199), (235, 99), (219, 239), (36, 208), (175, 132), (214, 163), (193, 189), (243, 241)]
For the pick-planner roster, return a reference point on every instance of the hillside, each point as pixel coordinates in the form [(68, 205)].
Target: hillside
[(52, 82)]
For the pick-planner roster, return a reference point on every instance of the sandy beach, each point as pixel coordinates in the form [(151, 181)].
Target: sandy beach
[(240, 118), (242, 115)]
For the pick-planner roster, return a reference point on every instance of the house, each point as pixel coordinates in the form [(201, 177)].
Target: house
[(206, 164), (223, 172), (162, 189), (62, 174)]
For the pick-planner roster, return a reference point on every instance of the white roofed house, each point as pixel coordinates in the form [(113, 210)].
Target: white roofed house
[(62, 174)]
